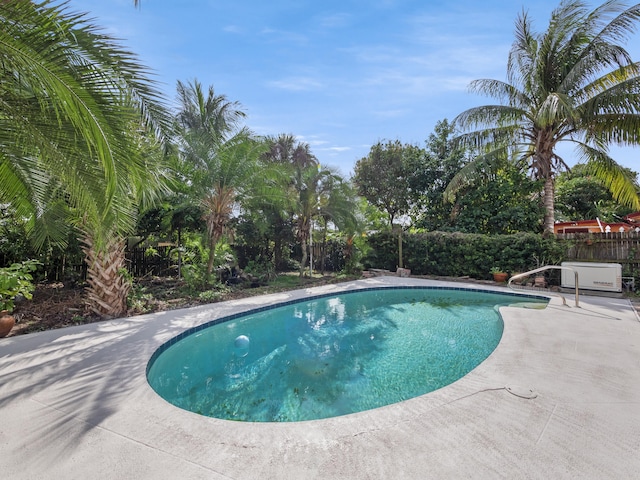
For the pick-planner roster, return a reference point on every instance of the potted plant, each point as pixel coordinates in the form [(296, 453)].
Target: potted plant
[(14, 281), (499, 275)]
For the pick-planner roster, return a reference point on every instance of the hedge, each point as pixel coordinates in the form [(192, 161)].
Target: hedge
[(461, 254)]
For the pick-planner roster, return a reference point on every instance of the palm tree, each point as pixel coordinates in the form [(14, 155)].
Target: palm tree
[(572, 83), (318, 192), (222, 157), (76, 110)]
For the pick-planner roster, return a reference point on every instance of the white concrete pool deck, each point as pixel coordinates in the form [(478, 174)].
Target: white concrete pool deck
[(75, 404)]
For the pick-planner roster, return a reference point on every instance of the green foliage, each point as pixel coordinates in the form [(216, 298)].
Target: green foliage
[(75, 105), (580, 196), (16, 280), (214, 294), (572, 83), (14, 245), (354, 250), (383, 176), (196, 277), (262, 268), (139, 299), (459, 254), (503, 201), (432, 172)]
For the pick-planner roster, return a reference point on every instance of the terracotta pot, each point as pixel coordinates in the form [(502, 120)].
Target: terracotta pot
[(6, 323), (540, 282), (500, 277)]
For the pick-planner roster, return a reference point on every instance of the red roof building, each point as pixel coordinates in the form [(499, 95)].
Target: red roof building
[(593, 226)]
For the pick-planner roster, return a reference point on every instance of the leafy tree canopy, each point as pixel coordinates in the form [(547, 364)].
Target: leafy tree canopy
[(383, 177), (581, 196)]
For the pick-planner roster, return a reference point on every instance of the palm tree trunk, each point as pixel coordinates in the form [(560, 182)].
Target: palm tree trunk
[(108, 288), (549, 205), (303, 235), (213, 241), (218, 206)]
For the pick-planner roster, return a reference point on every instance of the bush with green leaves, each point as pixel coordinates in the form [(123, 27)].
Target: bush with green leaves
[(16, 280), (214, 294), (458, 254), (262, 268)]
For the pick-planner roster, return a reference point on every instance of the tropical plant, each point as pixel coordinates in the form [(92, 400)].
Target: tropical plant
[(222, 157), (288, 155), (580, 196), (320, 192), (16, 280), (572, 83), (78, 122), (501, 200)]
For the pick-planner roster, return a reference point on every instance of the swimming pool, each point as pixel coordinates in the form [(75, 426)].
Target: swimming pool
[(330, 355)]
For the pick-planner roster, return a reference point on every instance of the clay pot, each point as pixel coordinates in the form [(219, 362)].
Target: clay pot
[(7, 322), (500, 277)]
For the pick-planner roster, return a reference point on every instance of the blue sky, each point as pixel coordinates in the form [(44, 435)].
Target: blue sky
[(339, 75)]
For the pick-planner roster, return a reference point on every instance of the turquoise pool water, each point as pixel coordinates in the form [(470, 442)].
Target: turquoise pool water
[(331, 355)]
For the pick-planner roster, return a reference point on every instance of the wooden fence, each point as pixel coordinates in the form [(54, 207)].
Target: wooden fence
[(141, 261), (623, 248)]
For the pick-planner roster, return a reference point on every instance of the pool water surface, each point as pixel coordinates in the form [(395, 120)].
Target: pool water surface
[(331, 355)]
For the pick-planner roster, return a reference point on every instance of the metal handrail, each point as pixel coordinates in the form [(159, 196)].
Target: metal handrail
[(549, 267)]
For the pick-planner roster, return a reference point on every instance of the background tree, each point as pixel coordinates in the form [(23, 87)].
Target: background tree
[(573, 83), (338, 210), (580, 196), (317, 192), (383, 177), (502, 200), (432, 172), (290, 156)]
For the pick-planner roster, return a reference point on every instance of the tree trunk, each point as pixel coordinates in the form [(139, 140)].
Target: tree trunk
[(303, 234), (218, 207), (323, 250), (108, 288), (303, 262), (549, 206), (213, 241)]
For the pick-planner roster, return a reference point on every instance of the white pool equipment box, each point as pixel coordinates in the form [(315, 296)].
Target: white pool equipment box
[(593, 276)]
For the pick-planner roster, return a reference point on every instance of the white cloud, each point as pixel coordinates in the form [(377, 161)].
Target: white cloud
[(296, 84)]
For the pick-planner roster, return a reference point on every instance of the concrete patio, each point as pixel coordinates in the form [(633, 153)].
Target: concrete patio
[(558, 398)]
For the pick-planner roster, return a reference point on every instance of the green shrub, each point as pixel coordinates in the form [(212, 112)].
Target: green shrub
[(261, 268), (460, 254)]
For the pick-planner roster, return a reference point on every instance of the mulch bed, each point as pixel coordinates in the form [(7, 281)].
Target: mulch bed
[(55, 305)]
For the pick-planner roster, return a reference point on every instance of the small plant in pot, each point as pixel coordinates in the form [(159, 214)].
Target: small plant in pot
[(15, 281), (499, 274)]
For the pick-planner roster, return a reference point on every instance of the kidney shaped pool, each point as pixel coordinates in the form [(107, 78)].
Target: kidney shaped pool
[(331, 355)]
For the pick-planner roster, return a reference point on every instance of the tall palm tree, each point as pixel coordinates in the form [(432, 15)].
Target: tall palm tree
[(572, 83), (75, 109), (318, 193), (283, 152), (221, 156)]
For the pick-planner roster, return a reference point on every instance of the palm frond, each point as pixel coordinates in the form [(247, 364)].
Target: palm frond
[(472, 170), (615, 177), (500, 90), (76, 93)]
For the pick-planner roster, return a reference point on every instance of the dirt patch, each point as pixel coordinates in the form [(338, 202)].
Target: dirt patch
[(55, 305)]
